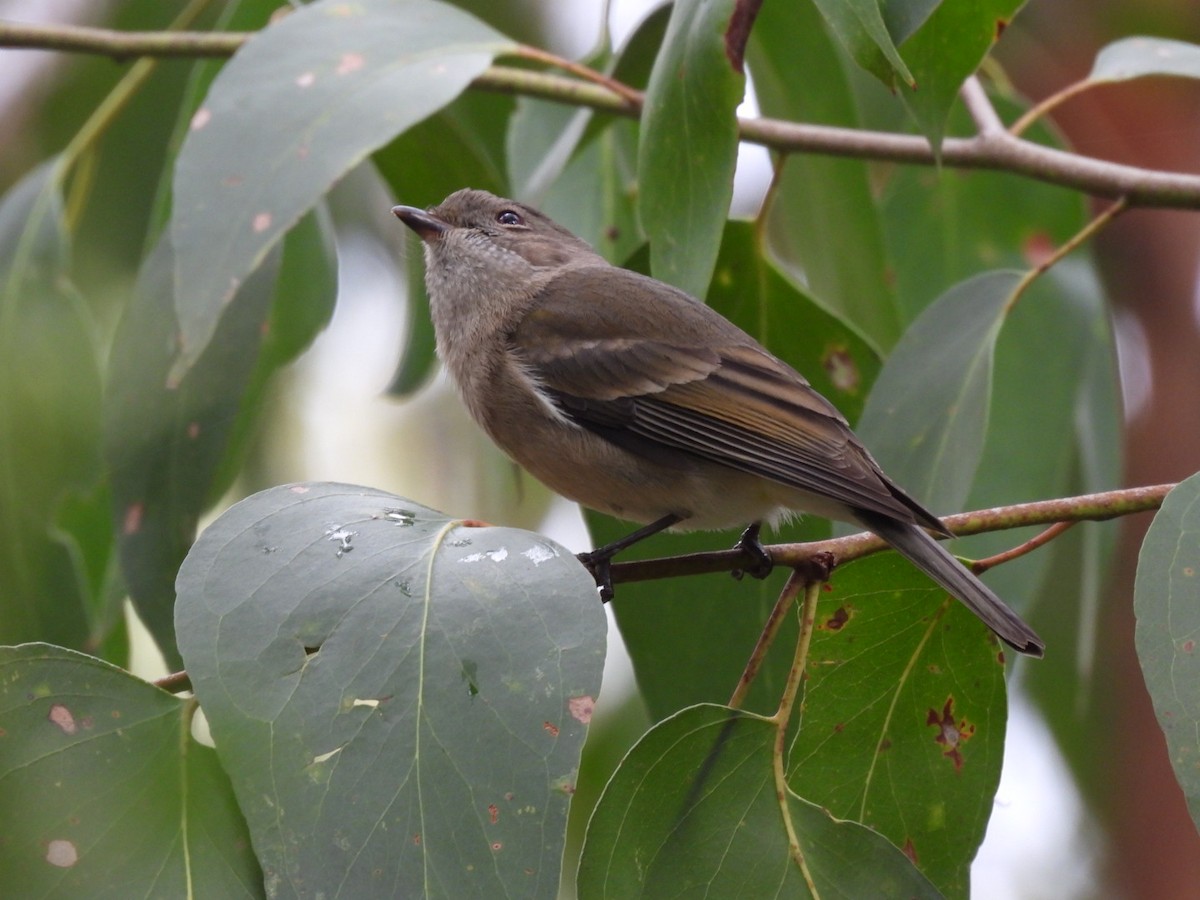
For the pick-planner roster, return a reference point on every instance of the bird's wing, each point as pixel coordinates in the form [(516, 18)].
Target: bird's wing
[(650, 368)]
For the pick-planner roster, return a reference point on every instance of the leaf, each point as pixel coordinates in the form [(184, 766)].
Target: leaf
[(400, 698), (862, 29), (693, 811), (165, 443), (595, 197), (689, 638), (904, 716), (299, 105), (688, 145), (103, 793), (926, 417), (943, 226), (1166, 601), (823, 222), (49, 417), (945, 51), (1138, 57)]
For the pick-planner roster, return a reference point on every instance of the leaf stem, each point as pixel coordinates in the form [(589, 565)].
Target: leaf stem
[(808, 618), (1074, 242), (770, 629), (1041, 539), (1040, 109)]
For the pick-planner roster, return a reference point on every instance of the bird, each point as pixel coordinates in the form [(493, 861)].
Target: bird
[(634, 398)]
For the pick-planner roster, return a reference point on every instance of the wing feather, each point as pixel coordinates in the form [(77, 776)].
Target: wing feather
[(653, 370)]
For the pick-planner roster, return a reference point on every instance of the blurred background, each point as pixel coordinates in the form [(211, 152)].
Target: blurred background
[(1061, 828)]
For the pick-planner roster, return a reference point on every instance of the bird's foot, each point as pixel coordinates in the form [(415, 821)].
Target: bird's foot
[(599, 564), (750, 545)]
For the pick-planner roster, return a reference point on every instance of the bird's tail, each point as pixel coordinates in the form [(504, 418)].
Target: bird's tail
[(939, 564)]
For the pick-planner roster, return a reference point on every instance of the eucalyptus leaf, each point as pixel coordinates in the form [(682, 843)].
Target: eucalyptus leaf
[(947, 49), (49, 417), (1166, 601), (688, 149), (927, 416), (824, 222), (301, 103), (104, 793), (400, 698), (694, 810), (1138, 57), (904, 716)]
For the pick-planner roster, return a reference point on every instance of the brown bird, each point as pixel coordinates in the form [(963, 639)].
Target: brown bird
[(631, 397)]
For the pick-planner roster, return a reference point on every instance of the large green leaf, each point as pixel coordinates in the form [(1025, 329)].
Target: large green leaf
[(1166, 600), (49, 418), (904, 715), (688, 144), (694, 811), (299, 105), (823, 221), (926, 417), (103, 791), (165, 443), (400, 698), (689, 638)]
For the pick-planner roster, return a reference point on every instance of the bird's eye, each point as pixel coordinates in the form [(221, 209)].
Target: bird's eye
[(508, 217)]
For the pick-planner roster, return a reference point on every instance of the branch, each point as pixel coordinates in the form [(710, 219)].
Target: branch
[(996, 151), (1089, 507)]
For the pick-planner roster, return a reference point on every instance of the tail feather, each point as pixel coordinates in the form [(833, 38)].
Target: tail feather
[(939, 564)]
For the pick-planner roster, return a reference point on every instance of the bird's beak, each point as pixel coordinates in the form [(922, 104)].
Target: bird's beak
[(428, 227)]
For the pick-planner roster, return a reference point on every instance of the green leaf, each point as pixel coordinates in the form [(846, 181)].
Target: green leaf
[(49, 418), (103, 792), (1055, 344), (904, 716), (1138, 57), (823, 222), (861, 27), (945, 51), (165, 443), (299, 105), (595, 197), (400, 698), (1166, 601), (688, 149), (693, 810), (670, 627), (944, 225), (927, 415)]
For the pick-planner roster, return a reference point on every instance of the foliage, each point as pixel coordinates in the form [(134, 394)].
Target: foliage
[(399, 698)]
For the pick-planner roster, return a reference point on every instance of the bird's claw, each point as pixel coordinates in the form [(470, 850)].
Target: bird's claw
[(750, 545), (601, 568)]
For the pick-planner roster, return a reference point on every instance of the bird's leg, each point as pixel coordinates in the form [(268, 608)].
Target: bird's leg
[(599, 561), (750, 545)]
